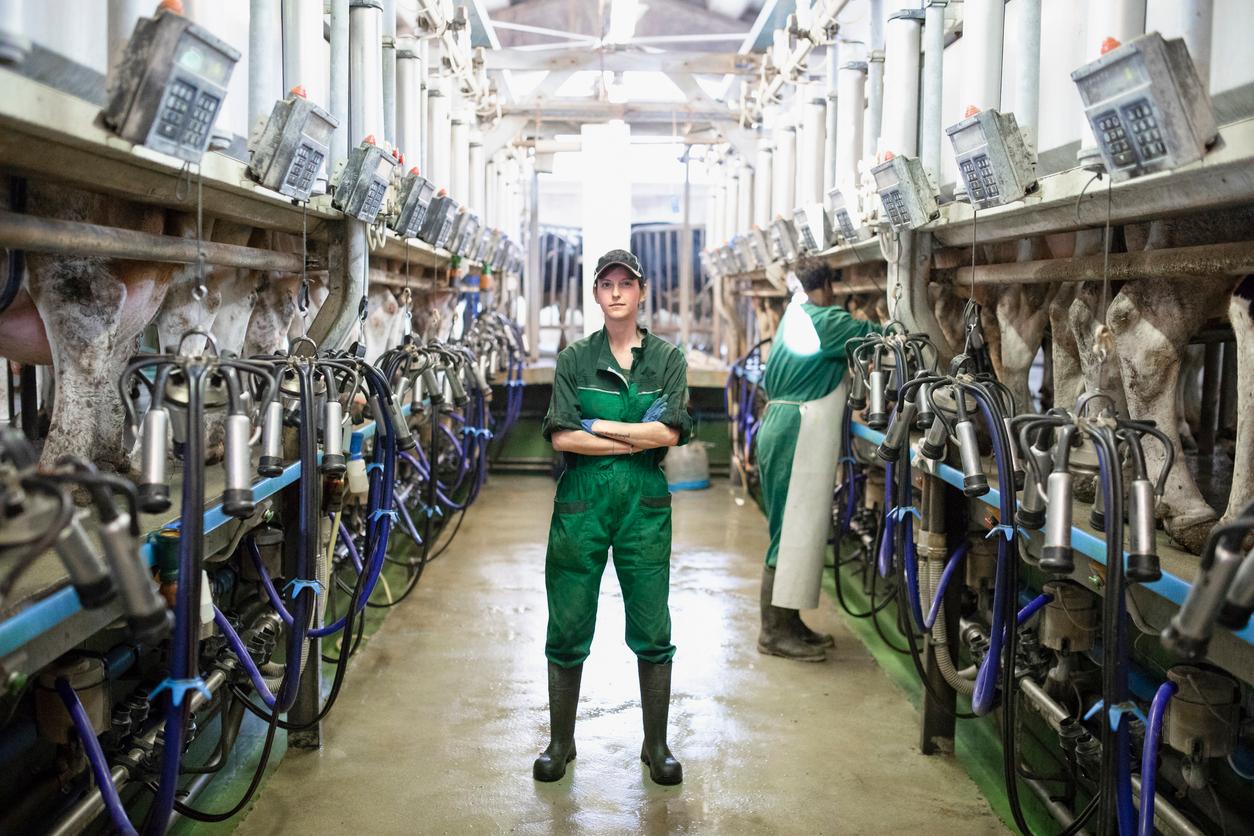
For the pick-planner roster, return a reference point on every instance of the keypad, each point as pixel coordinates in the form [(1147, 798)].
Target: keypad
[(1112, 133), (846, 225), (1145, 130), (196, 134), (895, 206), (174, 112), (445, 229), (977, 173), (415, 223), (305, 165), (374, 200)]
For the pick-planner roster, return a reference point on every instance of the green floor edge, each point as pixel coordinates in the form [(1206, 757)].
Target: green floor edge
[(977, 742)]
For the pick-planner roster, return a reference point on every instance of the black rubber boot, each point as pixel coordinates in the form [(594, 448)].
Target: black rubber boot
[(810, 637), (563, 703), (655, 703), (779, 636)]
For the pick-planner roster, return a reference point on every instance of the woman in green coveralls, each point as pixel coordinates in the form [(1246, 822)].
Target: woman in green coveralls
[(797, 451), (619, 400)]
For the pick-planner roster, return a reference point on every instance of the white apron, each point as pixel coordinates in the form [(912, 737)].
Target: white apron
[(808, 512)]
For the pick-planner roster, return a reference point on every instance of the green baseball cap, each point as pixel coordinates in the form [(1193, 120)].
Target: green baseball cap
[(622, 258)]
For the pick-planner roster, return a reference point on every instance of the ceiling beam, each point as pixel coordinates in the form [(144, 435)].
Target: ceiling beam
[(773, 15), (584, 110), (704, 63)]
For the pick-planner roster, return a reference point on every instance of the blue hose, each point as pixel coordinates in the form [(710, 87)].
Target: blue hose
[(241, 653), (1033, 607), (95, 757), (926, 623)]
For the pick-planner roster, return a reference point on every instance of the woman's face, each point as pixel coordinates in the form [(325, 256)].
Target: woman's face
[(618, 293)]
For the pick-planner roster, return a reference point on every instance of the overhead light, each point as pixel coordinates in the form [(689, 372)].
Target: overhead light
[(623, 17)]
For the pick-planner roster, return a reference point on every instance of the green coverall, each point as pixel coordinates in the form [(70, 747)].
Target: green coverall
[(806, 362), (620, 502)]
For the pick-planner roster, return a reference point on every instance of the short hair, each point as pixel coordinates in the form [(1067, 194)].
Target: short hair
[(817, 276)]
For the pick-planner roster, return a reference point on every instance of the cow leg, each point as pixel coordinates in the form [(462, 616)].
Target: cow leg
[(1152, 321), (1068, 377), (1189, 395), (1241, 312), (272, 316)]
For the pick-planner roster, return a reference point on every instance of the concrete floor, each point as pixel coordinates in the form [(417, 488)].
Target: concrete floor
[(446, 708)]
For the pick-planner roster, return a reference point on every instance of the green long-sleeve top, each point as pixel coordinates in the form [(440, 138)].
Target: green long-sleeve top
[(807, 358)]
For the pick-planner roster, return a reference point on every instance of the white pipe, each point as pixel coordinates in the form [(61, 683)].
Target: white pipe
[(478, 172), (365, 77), (422, 153), (265, 59), (851, 103), (1198, 19), (121, 16), (438, 132), (685, 259), (815, 133), (730, 185), (1028, 82), (833, 125), (459, 151), (744, 203), (489, 194), (304, 50), (339, 81), (388, 70), (984, 23), (533, 282), (900, 132), (719, 226), (875, 83), (13, 41), (933, 76), (763, 173), (784, 180), (408, 98)]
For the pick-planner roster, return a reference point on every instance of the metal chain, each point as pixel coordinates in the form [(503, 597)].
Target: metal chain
[(201, 290), (302, 295), (1103, 336)]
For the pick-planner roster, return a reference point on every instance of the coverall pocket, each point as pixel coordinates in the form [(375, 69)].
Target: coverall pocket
[(577, 506), (655, 501)]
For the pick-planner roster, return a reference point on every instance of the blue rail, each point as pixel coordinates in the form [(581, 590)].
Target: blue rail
[(1172, 588), (38, 617)]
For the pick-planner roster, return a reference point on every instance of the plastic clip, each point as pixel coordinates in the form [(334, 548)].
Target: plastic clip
[(902, 511), (178, 689), (1007, 531), (1116, 712), (374, 466), (301, 584), (433, 511), (380, 513)]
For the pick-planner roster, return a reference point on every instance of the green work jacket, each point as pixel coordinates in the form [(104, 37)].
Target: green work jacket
[(589, 383), (807, 358)]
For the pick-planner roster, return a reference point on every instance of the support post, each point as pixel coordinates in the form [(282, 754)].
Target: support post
[(533, 282), (685, 259), (937, 719)]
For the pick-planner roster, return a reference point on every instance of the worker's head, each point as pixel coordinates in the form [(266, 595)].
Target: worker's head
[(618, 286), (817, 280)]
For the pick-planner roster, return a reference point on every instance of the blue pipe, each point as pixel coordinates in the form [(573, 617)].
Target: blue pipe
[(1149, 755), (1033, 607), (986, 679), (241, 653), (926, 623), (95, 758)]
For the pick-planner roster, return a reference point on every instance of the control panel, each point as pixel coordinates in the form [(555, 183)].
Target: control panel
[(287, 151), (361, 182), (438, 224), (994, 161), (1147, 106), (169, 86), (413, 198), (846, 220), (906, 192)]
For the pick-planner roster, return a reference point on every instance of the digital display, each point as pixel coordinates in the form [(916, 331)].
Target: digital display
[(967, 139), (198, 58), (1116, 79)]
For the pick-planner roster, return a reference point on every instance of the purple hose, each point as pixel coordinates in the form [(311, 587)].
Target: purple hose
[(912, 584), (273, 594), (95, 757), (241, 653), (886, 542), (1033, 607), (1149, 756)]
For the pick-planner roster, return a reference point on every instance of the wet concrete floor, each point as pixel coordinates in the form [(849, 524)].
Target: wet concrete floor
[(446, 707)]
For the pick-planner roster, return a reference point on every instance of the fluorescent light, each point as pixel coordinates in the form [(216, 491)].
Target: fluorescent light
[(623, 17)]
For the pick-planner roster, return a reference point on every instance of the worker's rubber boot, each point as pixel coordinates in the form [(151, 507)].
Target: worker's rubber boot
[(563, 702), (810, 637), (778, 636), (655, 703)]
